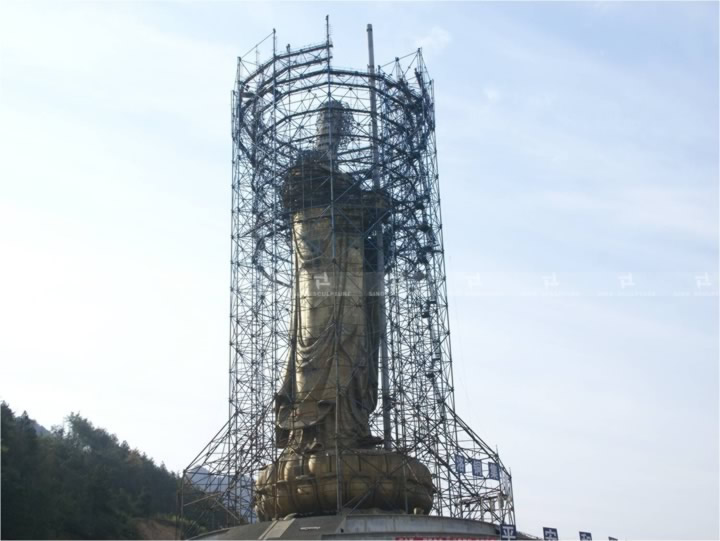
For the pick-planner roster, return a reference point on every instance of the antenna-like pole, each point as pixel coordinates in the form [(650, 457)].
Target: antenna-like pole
[(387, 432)]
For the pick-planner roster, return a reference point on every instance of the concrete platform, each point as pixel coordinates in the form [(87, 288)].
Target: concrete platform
[(358, 526)]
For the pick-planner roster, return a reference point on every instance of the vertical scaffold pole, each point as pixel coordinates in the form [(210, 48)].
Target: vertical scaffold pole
[(338, 389), (387, 429)]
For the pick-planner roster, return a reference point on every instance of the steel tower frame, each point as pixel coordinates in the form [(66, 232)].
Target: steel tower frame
[(391, 152)]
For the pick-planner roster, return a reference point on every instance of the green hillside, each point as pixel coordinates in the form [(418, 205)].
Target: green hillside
[(80, 482)]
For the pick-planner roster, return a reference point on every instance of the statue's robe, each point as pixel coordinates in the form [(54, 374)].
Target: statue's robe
[(330, 386)]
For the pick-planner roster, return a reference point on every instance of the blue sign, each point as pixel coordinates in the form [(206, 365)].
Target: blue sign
[(460, 463), (507, 531), (550, 534), (477, 467), (585, 536), (493, 471)]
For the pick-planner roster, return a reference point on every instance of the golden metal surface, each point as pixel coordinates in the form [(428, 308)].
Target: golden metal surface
[(371, 478), (330, 385)]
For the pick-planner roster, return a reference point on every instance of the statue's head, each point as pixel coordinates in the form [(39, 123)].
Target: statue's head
[(333, 127)]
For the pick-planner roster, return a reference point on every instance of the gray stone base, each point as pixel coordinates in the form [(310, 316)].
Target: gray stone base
[(362, 526)]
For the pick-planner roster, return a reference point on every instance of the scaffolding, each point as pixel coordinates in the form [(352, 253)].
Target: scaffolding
[(385, 150)]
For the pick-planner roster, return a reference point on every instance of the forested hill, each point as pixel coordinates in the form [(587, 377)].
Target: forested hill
[(79, 482)]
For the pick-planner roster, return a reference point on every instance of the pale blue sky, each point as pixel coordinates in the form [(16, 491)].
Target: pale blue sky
[(578, 146)]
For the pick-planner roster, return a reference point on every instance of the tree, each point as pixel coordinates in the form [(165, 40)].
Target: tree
[(77, 483)]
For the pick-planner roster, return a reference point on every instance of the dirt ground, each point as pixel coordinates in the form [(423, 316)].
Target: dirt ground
[(155, 528)]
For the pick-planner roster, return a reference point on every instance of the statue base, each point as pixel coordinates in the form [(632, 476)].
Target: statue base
[(362, 526), (305, 484)]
